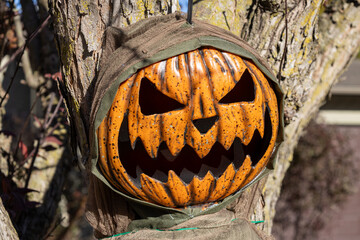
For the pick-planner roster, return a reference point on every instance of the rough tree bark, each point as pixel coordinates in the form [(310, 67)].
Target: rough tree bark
[(50, 165), (7, 231), (323, 37)]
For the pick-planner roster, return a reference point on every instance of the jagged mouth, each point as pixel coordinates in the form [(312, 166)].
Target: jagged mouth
[(187, 163)]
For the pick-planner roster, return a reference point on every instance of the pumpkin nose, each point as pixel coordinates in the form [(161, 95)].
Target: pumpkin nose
[(204, 124)]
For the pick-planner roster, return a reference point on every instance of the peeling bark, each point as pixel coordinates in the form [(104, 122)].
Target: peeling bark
[(322, 39)]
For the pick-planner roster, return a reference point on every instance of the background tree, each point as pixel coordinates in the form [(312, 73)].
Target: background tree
[(33, 133), (312, 42)]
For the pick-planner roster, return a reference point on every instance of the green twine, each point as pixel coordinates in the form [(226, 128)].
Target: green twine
[(256, 222), (180, 229)]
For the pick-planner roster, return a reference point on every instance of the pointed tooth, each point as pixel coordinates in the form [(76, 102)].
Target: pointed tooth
[(228, 140), (126, 181), (240, 177), (170, 125), (201, 188), (202, 143), (249, 133), (134, 112), (133, 132), (133, 141), (155, 190), (151, 146), (175, 149), (202, 151), (147, 129), (178, 189), (249, 121), (261, 125), (223, 183), (151, 143), (155, 150)]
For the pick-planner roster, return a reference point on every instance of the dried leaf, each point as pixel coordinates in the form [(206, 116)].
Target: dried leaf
[(24, 149)]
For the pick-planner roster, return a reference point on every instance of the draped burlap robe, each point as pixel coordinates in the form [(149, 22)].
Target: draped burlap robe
[(125, 51)]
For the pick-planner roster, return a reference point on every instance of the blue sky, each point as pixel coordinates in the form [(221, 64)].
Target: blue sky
[(183, 5)]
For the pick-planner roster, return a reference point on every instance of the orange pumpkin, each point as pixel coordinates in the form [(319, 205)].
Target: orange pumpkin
[(192, 129)]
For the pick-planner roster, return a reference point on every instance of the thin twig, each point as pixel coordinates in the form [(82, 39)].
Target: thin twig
[(4, 44), (49, 234), (56, 110), (25, 124), (32, 164), (12, 78), (22, 50), (30, 77), (48, 109)]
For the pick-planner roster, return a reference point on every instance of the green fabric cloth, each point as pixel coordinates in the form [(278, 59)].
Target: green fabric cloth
[(221, 225), (233, 230)]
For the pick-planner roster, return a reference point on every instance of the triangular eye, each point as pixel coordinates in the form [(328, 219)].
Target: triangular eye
[(244, 90), (152, 101)]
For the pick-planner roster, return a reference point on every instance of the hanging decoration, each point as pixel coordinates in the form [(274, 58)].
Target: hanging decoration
[(185, 113), (189, 129)]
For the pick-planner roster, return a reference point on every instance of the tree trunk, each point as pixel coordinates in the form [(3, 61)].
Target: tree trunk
[(7, 231), (79, 26), (321, 40)]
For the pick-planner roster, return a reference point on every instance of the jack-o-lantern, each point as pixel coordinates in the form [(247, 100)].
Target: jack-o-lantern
[(192, 129)]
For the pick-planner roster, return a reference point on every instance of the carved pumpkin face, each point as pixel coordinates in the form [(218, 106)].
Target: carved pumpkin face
[(191, 129)]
